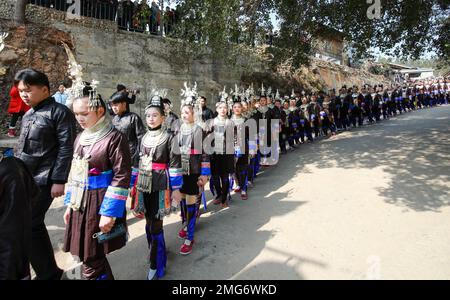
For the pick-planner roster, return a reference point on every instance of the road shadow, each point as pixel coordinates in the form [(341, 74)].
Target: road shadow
[(413, 148)]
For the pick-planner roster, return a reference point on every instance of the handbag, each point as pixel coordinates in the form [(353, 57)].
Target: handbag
[(116, 231)]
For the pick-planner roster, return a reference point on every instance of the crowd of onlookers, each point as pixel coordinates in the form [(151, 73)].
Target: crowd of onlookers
[(139, 16)]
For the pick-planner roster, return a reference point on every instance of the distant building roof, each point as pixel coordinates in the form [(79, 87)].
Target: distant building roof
[(418, 70), (399, 66)]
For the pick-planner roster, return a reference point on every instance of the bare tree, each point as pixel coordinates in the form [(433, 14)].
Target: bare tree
[(19, 14)]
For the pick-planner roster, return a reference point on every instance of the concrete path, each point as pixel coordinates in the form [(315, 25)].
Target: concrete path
[(372, 203)]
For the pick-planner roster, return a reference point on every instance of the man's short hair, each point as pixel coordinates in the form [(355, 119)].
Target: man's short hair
[(121, 87), (118, 97), (32, 77)]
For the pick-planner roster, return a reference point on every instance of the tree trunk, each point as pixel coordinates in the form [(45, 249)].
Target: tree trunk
[(19, 14)]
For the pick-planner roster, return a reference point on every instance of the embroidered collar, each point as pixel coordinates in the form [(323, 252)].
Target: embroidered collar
[(187, 128), (218, 121), (238, 120), (263, 109), (96, 133), (154, 138)]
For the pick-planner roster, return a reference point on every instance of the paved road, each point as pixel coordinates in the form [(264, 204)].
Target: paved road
[(372, 203)]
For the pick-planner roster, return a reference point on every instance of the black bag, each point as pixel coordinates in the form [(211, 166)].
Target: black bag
[(115, 232)]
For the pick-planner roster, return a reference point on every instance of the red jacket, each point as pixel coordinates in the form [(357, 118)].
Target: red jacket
[(16, 105)]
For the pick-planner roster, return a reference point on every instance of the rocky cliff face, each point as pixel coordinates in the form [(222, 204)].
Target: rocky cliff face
[(31, 46)]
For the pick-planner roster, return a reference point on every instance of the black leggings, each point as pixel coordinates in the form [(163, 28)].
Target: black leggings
[(221, 185), (154, 225), (241, 176)]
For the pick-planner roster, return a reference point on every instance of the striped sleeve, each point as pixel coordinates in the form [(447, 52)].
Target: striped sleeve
[(176, 178), (113, 204), (206, 168), (134, 176), (67, 197)]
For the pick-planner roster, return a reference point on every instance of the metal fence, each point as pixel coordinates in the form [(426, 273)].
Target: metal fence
[(128, 15), (99, 9)]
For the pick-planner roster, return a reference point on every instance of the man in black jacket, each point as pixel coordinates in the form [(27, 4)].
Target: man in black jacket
[(207, 114), (17, 191), (130, 100), (129, 123), (172, 121), (46, 147)]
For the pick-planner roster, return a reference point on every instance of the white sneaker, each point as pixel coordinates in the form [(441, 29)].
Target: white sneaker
[(151, 274)]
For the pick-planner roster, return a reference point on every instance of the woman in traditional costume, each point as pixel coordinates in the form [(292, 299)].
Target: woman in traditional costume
[(195, 165), (222, 158), (244, 149), (159, 173), (97, 191)]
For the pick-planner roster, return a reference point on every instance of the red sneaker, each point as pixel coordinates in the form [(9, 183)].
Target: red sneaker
[(11, 132), (182, 234), (237, 190), (217, 201), (138, 215), (186, 248), (244, 196)]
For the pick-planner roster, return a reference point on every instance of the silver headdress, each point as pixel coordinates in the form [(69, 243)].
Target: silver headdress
[(250, 92), (3, 36), (190, 98), (223, 95), (159, 92), (247, 94), (225, 98), (76, 74), (236, 92), (189, 95), (269, 91), (78, 85), (94, 99), (262, 89), (277, 95)]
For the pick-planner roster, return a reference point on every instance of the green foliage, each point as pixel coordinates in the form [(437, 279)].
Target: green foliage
[(406, 29)]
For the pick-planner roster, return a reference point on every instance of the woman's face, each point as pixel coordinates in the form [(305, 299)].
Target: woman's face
[(263, 101), (286, 105), (237, 109), (84, 117), (222, 110), (153, 117), (187, 115)]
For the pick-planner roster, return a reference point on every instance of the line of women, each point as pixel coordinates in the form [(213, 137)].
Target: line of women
[(174, 167)]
